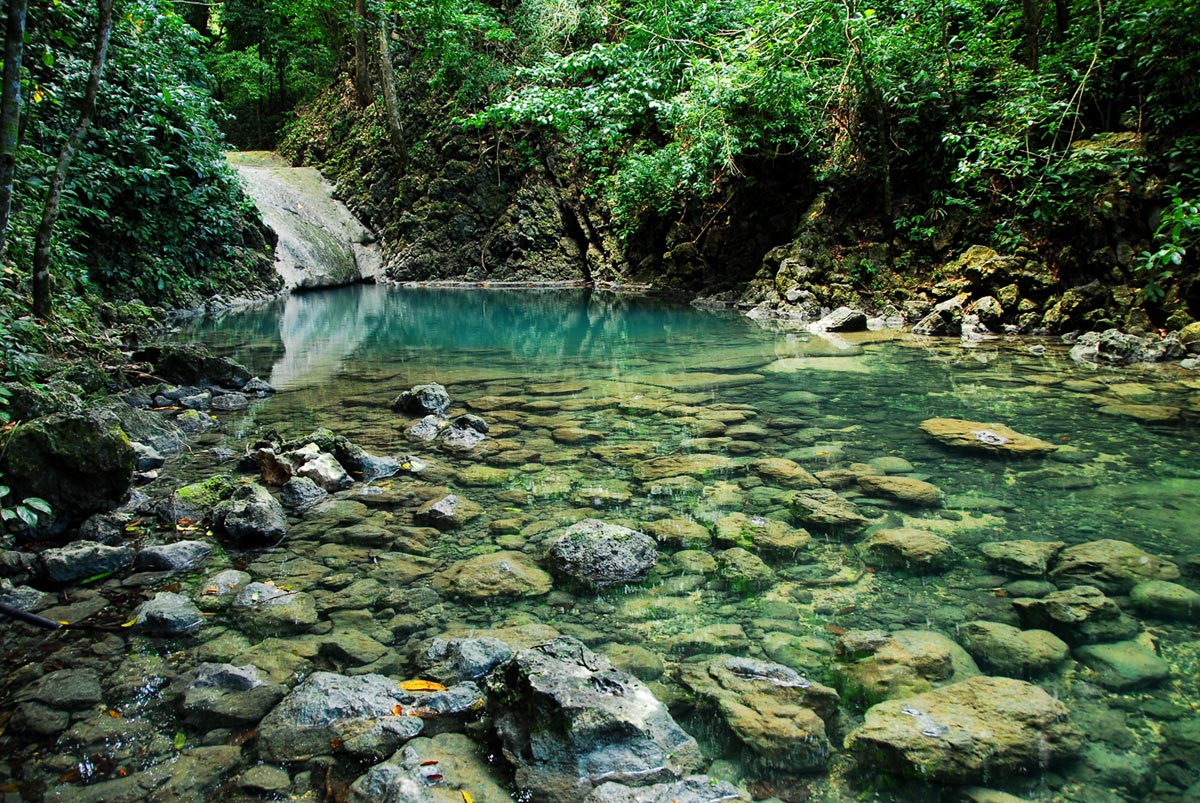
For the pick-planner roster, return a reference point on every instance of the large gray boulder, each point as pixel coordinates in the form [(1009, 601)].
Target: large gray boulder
[(330, 714), (224, 696), (599, 554), (568, 720), (176, 557), (251, 513), (980, 729), (79, 560)]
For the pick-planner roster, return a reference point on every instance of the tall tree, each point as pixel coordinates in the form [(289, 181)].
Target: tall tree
[(388, 75), (45, 231), (10, 106), (362, 68)]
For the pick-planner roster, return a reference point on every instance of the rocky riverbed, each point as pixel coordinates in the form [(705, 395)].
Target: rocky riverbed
[(810, 572)]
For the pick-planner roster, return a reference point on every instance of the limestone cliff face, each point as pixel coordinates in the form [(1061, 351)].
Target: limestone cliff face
[(320, 243)]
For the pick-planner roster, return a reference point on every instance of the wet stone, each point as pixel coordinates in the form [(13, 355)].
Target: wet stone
[(681, 532), (168, 614), (268, 609), (1011, 651), (709, 639), (774, 710), (905, 490), (906, 548), (568, 721), (1166, 600), (1113, 566), (66, 690), (265, 779), (692, 789), (743, 571), (996, 439), (1021, 558), (1077, 615), (82, 559), (174, 557), (600, 554), (499, 574), (449, 660), (825, 510), (1124, 665), (423, 400), (978, 729), (443, 769), (449, 512)]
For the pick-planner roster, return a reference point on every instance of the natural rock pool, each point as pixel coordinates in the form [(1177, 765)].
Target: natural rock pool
[(830, 568)]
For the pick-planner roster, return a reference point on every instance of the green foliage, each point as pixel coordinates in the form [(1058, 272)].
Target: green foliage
[(1178, 230), (151, 210)]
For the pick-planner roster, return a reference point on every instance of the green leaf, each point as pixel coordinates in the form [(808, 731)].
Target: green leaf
[(48, 58), (180, 740), (26, 515), (38, 504)]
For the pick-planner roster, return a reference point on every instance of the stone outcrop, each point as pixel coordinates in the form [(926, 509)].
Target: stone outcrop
[(569, 721)]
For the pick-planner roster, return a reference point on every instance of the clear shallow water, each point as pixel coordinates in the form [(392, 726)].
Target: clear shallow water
[(565, 378)]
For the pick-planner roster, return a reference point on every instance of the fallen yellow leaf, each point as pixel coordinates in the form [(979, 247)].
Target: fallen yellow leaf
[(421, 685)]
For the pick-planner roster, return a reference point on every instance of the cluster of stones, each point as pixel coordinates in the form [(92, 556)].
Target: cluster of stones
[(573, 724)]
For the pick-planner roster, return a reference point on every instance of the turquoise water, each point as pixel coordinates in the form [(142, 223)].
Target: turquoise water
[(583, 389)]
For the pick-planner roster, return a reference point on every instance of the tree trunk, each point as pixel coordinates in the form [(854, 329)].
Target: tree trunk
[(362, 66), (45, 232), (1032, 13), (10, 107), (395, 128)]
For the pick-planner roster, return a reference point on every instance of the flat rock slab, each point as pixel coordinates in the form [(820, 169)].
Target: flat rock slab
[(979, 729), (692, 465), (997, 439), (907, 548), (905, 490), (1021, 557), (1113, 566)]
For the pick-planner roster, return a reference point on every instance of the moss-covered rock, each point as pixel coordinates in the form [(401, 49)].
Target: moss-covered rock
[(77, 463)]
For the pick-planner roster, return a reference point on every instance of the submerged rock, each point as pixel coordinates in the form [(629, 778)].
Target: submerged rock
[(570, 721), (997, 439), (224, 696), (760, 534), (1022, 558), (267, 609), (823, 509), (1124, 665), (449, 660), (1113, 566), (1011, 651), (1166, 600), (692, 789), (449, 512), (773, 710), (600, 554), (498, 574), (906, 548), (444, 769), (1078, 615), (330, 713), (976, 730), (693, 465), (906, 490), (882, 666)]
